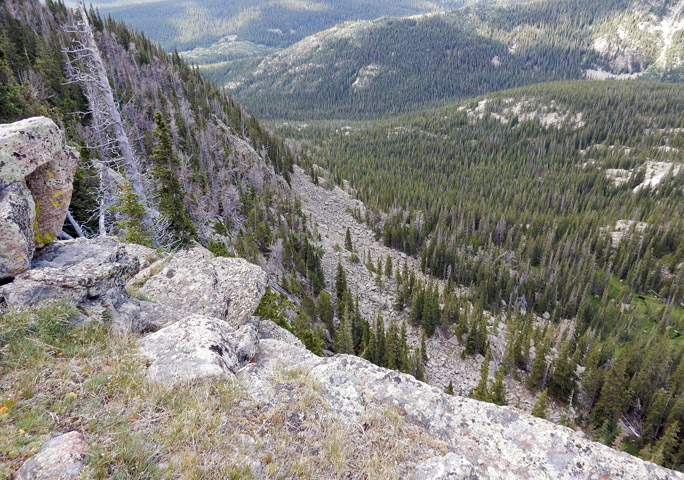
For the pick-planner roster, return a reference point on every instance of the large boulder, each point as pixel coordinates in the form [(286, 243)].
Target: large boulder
[(486, 442), (17, 212), (196, 349), (75, 270), (226, 288), (60, 458), (34, 158)]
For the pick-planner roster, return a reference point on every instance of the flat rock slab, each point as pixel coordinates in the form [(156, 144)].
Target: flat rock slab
[(60, 458), (198, 349), (194, 281), (73, 270)]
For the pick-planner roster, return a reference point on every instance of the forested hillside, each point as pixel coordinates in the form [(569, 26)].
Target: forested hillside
[(558, 204), (280, 23), (210, 172), (397, 65)]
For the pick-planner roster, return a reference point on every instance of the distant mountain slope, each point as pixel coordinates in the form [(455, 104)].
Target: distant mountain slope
[(275, 23), (394, 65)]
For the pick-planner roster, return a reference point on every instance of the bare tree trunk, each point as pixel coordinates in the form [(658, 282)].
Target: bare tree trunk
[(130, 163), (75, 225)]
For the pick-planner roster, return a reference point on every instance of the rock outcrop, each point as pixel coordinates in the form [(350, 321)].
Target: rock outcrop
[(36, 174), (75, 270), (60, 458), (477, 440), (198, 348), (488, 442), (224, 288)]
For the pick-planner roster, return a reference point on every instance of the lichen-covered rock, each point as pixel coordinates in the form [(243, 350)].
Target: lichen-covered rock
[(448, 467), (26, 145), (498, 442), (269, 330), (34, 158), (74, 270), (225, 288), (196, 349), (60, 458), (34, 152), (139, 316), (17, 211)]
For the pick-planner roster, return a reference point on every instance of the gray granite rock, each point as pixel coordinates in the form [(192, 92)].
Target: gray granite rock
[(17, 214), (33, 153), (448, 467), (196, 349), (74, 270), (60, 458), (194, 281), (498, 442)]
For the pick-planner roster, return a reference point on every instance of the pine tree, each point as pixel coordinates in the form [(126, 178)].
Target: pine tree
[(388, 267), (340, 282), (541, 405), (343, 335), (535, 380), (348, 241), (481, 392), (404, 360), (666, 447), (325, 310), (131, 227), (169, 191), (449, 390), (498, 393)]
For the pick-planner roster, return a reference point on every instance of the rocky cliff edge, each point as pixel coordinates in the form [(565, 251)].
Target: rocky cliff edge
[(191, 316)]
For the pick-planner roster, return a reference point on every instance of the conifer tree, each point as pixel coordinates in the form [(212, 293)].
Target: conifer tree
[(343, 335), (169, 191), (340, 282), (481, 392), (535, 380), (325, 310), (449, 390), (348, 241), (541, 405), (498, 393), (388, 267), (131, 227)]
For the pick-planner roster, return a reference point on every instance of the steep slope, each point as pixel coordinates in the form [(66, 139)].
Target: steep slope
[(229, 395), (556, 206), (393, 65)]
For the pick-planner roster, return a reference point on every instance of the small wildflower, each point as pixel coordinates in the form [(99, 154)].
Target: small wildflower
[(71, 395), (21, 430), (135, 344), (59, 354), (3, 409)]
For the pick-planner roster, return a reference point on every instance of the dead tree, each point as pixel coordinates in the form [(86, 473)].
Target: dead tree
[(86, 67)]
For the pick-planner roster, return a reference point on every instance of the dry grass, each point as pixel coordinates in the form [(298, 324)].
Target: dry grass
[(58, 378)]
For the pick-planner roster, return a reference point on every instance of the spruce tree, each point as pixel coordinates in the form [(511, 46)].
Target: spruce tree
[(340, 283), (481, 392), (131, 227), (541, 405), (498, 393), (325, 310), (348, 241), (169, 191)]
